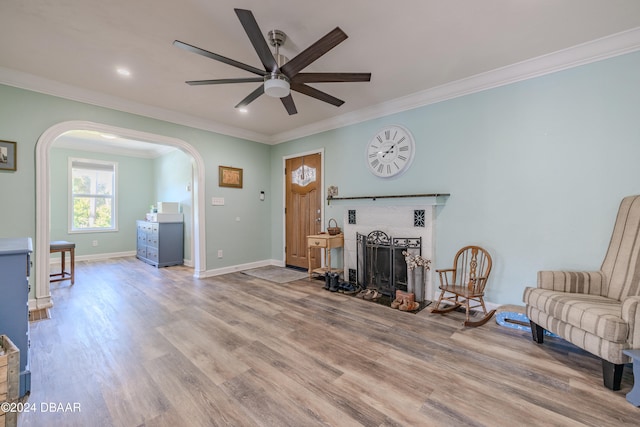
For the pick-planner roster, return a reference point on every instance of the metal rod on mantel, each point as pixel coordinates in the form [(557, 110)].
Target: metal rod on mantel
[(394, 196)]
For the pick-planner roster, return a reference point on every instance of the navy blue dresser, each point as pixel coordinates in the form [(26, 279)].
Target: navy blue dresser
[(15, 267)]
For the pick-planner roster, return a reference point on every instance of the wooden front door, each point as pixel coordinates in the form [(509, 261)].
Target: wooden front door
[(303, 208)]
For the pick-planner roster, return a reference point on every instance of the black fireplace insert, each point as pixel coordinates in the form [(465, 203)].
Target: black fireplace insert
[(380, 263)]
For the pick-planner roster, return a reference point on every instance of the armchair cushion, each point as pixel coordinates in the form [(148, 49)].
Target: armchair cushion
[(605, 349), (631, 315), (595, 314)]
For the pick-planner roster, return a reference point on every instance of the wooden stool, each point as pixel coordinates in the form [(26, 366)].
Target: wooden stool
[(63, 247)]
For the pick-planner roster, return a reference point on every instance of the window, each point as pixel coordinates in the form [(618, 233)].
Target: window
[(93, 195)]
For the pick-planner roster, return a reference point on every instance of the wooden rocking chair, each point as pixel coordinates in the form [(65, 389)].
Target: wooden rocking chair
[(465, 282)]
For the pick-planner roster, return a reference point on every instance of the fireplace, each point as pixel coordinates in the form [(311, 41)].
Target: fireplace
[(380, 261), (395, 221)]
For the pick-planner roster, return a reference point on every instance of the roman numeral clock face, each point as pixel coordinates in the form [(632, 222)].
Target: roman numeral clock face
[(390, 152)]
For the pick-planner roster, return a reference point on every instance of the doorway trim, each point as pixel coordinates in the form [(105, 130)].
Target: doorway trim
[(284, 195), (43, 197)]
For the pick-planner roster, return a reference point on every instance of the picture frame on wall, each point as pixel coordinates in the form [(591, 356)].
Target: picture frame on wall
[(229, 177), (7, 155)]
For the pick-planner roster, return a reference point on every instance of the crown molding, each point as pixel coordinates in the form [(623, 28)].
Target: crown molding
[(35, 83), (585, 53), (582, 54)]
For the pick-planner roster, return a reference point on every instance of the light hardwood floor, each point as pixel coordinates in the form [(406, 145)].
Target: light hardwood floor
[(134, 345)]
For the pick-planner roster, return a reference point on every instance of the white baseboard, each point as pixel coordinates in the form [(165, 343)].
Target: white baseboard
[(35, 304), (100, 257), (95, 257), (240, 267), (187, 262), (278, 263), (490, 306)]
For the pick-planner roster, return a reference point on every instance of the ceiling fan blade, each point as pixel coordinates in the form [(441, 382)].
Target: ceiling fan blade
[(224, 81), (315, 93), (288, 103), (251, 97), (313, 52), (252, 29), (331, 77), (217, 57)]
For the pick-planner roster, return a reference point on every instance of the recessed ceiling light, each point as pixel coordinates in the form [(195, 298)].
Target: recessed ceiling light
[(123, 72), (243, 110)]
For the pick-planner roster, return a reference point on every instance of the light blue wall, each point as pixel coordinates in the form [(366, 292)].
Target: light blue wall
[(237, 237), (25, 115), (535, 169), (135, 193), (172, 175)]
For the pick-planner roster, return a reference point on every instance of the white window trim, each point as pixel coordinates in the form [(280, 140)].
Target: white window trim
[(70, 228)]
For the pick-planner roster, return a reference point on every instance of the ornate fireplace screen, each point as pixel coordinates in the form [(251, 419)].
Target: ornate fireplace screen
[(381, 264)]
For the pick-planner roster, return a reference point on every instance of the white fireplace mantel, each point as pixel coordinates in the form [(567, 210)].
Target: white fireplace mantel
[(394, 219)]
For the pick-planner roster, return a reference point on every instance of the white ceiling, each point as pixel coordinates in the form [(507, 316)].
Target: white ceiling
[(72, 48), (101, 142)]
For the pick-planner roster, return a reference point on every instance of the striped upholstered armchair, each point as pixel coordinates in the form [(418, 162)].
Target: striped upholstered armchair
[(598, 311)]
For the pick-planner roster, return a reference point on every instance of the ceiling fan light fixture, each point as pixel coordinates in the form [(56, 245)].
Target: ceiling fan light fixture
[(276, 86)]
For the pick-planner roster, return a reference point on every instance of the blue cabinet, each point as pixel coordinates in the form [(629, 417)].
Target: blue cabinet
[(15, 267), (160, 243)]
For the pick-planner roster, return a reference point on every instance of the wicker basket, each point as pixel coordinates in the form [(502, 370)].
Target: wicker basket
[(9, 378), (333, 230)]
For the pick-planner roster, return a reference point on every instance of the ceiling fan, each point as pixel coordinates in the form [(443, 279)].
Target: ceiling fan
[(280, 76)]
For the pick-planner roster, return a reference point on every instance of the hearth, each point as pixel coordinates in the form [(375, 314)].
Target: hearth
[(380, 262), (415, 220)]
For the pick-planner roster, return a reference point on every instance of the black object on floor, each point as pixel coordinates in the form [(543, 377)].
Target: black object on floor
[(386, 301)]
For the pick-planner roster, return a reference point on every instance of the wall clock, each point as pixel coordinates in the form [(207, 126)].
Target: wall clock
[(390, 151)]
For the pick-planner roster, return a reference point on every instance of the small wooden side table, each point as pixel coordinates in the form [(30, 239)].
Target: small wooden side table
[(326, 242), (633, 396)]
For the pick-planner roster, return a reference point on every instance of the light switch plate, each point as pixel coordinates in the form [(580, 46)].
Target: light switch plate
[(217, 201)]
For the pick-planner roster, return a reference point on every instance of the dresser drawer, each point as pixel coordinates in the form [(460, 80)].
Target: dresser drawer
[(152, 254), (142, 251), (142, 238), (144, 227), (315, 242), (152, 240)]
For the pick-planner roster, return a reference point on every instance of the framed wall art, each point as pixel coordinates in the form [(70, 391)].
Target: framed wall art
[(229, 177), (7, 155)]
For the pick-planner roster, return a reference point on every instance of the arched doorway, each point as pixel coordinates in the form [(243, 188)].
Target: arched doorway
[(43, 219)]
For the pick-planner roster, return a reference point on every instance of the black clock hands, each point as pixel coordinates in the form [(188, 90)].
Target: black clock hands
[(390, 150)]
